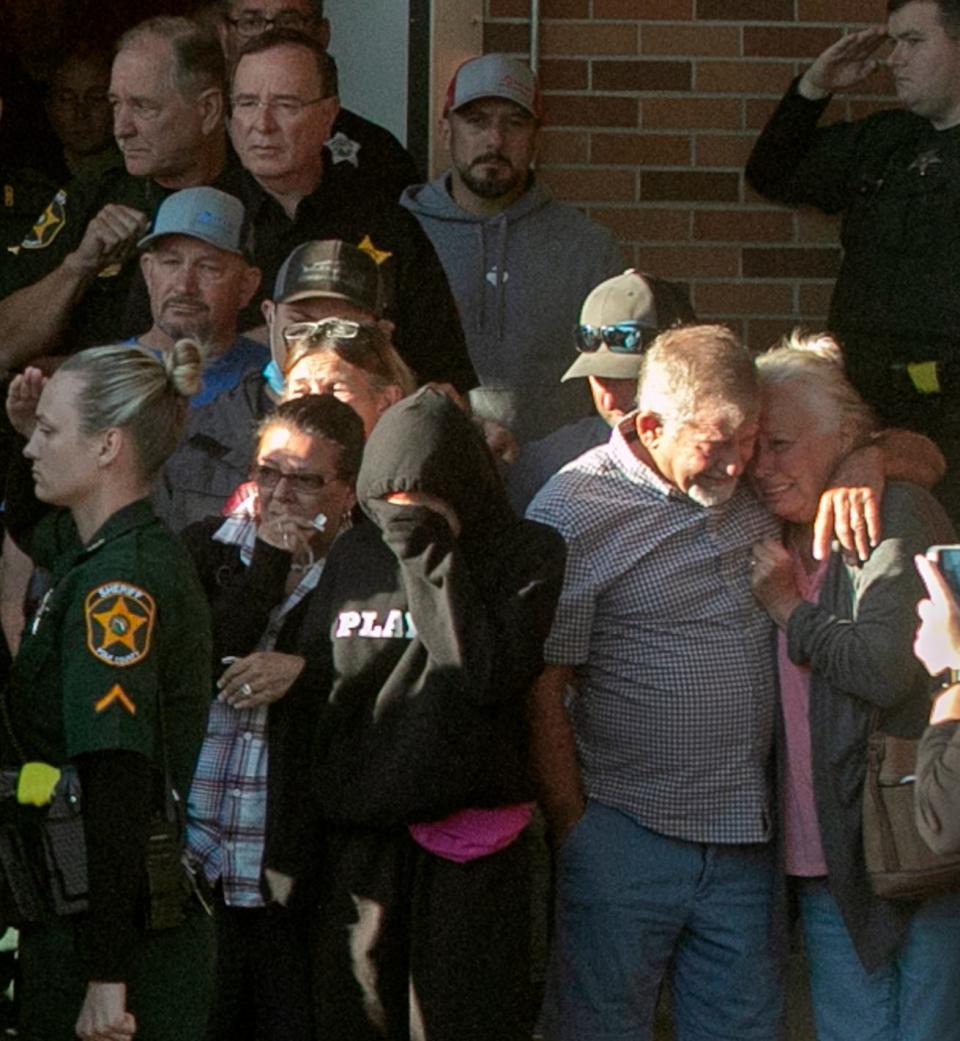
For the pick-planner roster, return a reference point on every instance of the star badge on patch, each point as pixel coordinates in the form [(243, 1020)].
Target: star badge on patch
[(51, 223), (119, 619), (379, 255), (343, 149)]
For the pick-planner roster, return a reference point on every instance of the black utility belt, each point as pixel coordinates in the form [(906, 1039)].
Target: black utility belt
[(43, 860)]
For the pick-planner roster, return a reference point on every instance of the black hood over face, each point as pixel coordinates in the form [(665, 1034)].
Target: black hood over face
[(425, 443)]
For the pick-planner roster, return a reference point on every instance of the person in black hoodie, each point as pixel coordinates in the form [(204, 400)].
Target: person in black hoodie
[(426, 632)]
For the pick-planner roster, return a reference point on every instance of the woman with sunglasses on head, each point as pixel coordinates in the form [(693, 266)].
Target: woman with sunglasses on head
[(351, 360), (108, 689), (257, 567)]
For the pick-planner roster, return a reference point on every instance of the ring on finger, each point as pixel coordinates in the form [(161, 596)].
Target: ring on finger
[(246, 690)]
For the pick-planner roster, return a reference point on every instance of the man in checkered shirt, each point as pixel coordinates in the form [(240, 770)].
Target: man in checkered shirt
[(653, 721)]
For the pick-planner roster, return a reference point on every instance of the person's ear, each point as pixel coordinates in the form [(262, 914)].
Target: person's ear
[(210, 105), (111, 446), (249, 284), (649, 428)]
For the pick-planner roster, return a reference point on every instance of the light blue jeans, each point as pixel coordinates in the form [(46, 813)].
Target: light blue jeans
[(914, 997), (633, 905)]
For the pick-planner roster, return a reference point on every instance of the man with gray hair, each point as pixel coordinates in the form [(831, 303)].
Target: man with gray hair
[(374, 159), (653, 721), (74, 272)]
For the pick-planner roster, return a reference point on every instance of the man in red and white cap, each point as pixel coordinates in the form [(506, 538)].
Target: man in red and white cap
[(518, 261)]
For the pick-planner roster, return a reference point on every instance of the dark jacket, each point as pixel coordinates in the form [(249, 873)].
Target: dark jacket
[(421, 644), (857, 642)]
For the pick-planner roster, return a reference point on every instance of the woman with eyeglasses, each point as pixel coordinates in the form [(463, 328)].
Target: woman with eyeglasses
[(258, 568)]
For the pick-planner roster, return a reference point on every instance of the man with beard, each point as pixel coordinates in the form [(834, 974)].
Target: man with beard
[(519, 262), (198, 281), (653, 720)]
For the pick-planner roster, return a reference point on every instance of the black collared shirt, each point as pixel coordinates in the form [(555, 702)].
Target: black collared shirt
[(417, 297)]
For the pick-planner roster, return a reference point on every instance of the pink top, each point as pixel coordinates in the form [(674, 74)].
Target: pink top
[(471, 834), (804, 851)]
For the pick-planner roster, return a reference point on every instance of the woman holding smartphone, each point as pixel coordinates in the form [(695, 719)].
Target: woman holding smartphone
[(938, 761)]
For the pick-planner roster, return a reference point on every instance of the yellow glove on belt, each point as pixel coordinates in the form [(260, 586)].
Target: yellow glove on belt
[(35, 784)]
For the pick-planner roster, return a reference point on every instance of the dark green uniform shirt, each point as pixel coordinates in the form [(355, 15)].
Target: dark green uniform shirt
[(124, 628)]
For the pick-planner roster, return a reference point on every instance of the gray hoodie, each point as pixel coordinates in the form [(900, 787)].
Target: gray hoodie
[(519, 280)]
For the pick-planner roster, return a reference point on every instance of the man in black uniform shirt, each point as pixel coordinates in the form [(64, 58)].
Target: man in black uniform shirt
[(376, 159), (283, 104), (73, 272), (895, 178)]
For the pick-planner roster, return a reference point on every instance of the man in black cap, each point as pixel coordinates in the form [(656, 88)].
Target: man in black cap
[(318, 281)]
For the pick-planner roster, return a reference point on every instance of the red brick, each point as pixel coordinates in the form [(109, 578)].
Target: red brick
[(695, 185), (767, 41), (712, 113), (556, 74), (743, 77), (509, 8), (723, 149), (640, 149), (739, 298), (762, 333), (646, 224), (590, 185), (564, 8), (641, 75), (508, 37), (759, 110), (689, 40), (557, 146), (588, 38), (653, 10), (815, 300), (690, 261), (860, 12), (745, 10), (814, 226), (791, 263), (743, 225), (587, 111)]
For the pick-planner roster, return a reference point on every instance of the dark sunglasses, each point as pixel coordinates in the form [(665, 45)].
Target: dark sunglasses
[(622, 338), (302, 483)]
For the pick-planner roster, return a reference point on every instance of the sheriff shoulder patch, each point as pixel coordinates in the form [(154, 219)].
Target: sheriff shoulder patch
[(51, 223), (119, 619)]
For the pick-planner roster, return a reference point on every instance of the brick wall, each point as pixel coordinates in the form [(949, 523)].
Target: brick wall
[(651, 110)]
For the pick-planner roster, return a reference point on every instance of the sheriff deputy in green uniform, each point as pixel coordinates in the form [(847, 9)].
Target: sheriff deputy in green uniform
[(112, 679)]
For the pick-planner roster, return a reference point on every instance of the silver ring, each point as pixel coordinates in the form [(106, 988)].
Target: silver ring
[(246, 690)]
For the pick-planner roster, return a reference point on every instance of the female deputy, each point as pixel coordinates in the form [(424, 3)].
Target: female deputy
[(878, 969), (112, 679)]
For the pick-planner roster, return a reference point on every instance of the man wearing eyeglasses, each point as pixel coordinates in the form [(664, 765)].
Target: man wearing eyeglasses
[(375, 159), (283, 104), (618, 321), (73, 280), (519, 262)]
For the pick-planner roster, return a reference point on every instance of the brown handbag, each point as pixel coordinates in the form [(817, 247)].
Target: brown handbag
[(900, 864)]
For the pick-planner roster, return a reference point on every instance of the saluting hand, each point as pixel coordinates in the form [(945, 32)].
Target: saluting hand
[(843, 64), (23, 394)]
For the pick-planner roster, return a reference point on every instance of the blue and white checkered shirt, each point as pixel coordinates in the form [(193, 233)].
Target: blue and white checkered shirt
[(227, 805), (674, 657)]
